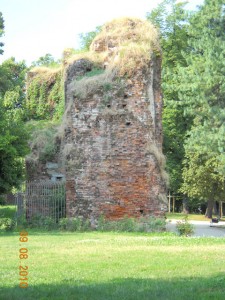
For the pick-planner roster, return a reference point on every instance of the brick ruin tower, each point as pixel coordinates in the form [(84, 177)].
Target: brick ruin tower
[(113, 125)]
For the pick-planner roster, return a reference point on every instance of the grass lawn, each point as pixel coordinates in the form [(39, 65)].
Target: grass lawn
[(7, 211), (102, 266), (196, 217)]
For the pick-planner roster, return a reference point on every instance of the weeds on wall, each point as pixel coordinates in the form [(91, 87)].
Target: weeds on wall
[(96, 58), (87, 86), (126, 45), (45, 94), (152, 149), (43, 144), (132, 40)]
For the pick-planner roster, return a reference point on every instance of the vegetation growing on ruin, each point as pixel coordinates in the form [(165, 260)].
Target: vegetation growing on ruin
[(89, 85), (45, 93), (126, 44), (192, 82), (43, 141), (152, 149), (132, 41)]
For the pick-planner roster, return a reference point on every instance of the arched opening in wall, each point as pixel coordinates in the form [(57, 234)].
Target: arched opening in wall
[(109, 106), (128, 123), (124, 105), (141, 212)]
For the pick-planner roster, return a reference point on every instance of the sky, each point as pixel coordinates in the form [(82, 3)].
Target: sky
[(34, 28)]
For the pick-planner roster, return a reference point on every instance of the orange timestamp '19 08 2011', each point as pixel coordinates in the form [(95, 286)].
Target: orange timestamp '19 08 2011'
[(23, 254)]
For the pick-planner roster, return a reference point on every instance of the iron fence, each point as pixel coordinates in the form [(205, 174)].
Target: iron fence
[(41, 199)]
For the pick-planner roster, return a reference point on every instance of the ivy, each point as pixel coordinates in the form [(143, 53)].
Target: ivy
[(45, 100)]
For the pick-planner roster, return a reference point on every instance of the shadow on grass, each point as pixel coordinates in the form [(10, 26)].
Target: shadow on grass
[(201, 288)]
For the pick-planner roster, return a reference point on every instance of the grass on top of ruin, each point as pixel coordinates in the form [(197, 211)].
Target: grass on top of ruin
[(102, 266)]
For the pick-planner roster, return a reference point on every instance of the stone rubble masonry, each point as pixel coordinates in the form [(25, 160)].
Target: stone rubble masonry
[(112, 168)]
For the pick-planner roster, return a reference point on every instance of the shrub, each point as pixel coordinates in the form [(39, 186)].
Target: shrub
[(152, 224), (22, 222), (7, 224), (127, 224), (145, 224), (43, 144), (63, 223), (43, 222), (184, 228), (74, 224), (2, 200), (48, 223)]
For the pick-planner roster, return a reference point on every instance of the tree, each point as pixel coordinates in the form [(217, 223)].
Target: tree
[(87, 38), (12, 77), (172, 21), (202, 92), (1, 31), (13, 147), (202, 180), (13, 136), (46, 60)]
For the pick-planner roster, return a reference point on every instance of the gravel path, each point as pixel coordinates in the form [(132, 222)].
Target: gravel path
[(202, 228)]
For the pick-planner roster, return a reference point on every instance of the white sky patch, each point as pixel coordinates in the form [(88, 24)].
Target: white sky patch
[(36, 27)]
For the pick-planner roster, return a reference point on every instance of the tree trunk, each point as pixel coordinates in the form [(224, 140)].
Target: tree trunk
[(209, 209), (215, 209), (221, 209), (185, 205)]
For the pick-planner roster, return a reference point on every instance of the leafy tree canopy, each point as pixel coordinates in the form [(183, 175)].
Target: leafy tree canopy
[(172, 21), (201, 88), (87, 38), (13, 147), (12, 77), (1, 31), (47, 60)]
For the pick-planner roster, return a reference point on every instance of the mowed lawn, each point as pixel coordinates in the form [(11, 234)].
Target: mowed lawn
[(102, 266)]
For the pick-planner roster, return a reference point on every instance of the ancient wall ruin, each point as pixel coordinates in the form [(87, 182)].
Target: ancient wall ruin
[(112, 145)]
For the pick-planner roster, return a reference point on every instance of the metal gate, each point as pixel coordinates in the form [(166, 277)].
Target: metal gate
[(41, 199)]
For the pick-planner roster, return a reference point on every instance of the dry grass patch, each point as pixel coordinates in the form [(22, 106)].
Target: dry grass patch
[(126, 44), (130, 43), (45, 73), (90, 85), (96, 58)]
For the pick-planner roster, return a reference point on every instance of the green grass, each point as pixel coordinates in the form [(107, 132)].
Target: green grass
[(194, 217), (102, 266), (7, 211)]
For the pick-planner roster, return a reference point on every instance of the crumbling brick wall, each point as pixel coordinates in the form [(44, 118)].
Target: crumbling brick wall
[(114, 165)]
